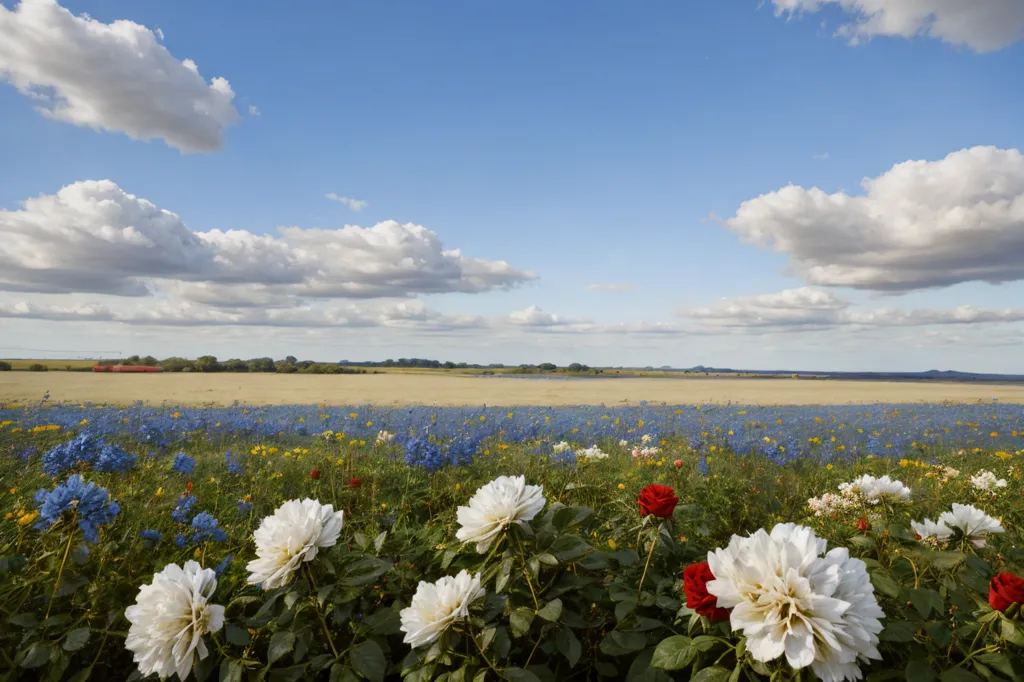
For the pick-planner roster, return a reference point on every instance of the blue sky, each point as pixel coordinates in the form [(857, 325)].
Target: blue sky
[(584, 143)]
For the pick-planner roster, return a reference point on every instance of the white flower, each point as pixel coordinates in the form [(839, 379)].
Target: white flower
[(931, 533), (384, 437), (875, 490), (829, 504), (561, 447), (593, 452), (623, 443), (788, 599), (986, 480), (504, 500), (295, 533), (435, 606), (972, 522), (170, 617), (646, 438)]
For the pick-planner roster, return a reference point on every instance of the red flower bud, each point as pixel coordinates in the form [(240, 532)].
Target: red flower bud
[(862, 525), (695, 581), (315, 474), (355, 483), (678, 464), (1004, 590)]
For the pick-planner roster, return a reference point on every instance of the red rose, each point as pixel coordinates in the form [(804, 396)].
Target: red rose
[(1004, 590), (315, 474), (678, 464), (695, 585), (355, 483), (863, 525), (659, 500)]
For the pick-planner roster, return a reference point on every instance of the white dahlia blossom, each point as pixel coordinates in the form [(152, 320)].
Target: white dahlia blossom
[(295, 532), (986, 480), (505, 500), (931, 533), (876, 490), (788, 597), (972, 522), (435, 606), (170, 617)]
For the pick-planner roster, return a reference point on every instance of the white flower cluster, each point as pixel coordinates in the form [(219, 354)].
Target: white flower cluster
[(873, 491), (830, 503), (561, 446), (646, 452), (972, 523), (987, 481), (384, 437), (790, 598), (942, 472), (591, 453)]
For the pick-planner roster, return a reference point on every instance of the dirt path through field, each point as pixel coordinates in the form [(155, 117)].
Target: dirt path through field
[(440, 389)]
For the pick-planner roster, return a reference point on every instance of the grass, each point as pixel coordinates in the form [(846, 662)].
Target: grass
[(434, 387), (51, 365)]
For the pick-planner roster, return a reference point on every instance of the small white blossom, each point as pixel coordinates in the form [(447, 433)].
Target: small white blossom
[(876, 490), (384, 437), (623, 443), (972, 522), (829, 504), (986, 480), (592, 453), (561, 446), (170, 617), (295, 532), (932, 533), (435, 606), (504, 500)]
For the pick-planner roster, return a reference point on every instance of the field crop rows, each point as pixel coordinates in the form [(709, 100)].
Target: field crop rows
[(421, 554)]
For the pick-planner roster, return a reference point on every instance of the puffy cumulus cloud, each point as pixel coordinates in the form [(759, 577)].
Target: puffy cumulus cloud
[(809, 308), (920, 224), (534, 316), (115, 77), (93, 237), (982, 25)]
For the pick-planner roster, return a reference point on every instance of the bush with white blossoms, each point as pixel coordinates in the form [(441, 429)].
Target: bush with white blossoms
[(592, 453), (987, 481), (873, 491)]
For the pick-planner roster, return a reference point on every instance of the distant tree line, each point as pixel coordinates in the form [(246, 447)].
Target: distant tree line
[(291, 365)]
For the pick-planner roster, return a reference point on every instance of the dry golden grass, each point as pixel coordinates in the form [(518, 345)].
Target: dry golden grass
[(52, 364), (454, 389)]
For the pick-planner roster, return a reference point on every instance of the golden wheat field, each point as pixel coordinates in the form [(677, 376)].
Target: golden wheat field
[(446, 389)]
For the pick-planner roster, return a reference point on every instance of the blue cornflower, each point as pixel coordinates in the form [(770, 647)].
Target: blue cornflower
[(180, 540), (151, 537), (92, 504), (114, 458), (223, 566), (183, 464), (181, 511), (204, 527), (702, 464), (82, 450), (422, 453), (243, 506), (234, 467), (28, 452)]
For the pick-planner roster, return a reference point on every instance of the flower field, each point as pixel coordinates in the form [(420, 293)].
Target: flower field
[(652, 542)]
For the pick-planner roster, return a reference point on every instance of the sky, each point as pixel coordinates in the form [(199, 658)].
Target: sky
[(770, 184)]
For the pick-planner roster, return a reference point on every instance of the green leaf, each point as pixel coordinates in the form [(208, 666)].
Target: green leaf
[(919, 671), (999, 661), (38, 654), (295, 672), (236, 635), (568, 645), (617, 643), (81, 675), (24, 620), (281, 644), (343, 673), (520, 621), (958, 675), (1010, 633), (551, 611), (925, 601), (447, 558), (481, 675), (231, 671), (715, 673), (385, 622), (520, 675), (503, 574), (76, 639), (569, 547), (378, 541), (898, 631), (944, 561), (12, 564), (368, 659), (885, 583), (674, 653), (365, 570), (940, 633)]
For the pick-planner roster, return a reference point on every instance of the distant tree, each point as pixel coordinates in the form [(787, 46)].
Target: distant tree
[(286, 368), (174, 364), (547, 366), (131, 360), (36, 367), (236, 365), (577, 367), (5, 366), (449, 365), (291, 360), (149, 361), (262, 365), (207, 363)]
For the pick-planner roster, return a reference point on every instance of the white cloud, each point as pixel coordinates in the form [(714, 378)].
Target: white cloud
[(982, 25), (811, 308), (611, 286), (115, 77), (821, 157), (254, 110), (534, 317), (355, 205), (920, 224), (94, 237)]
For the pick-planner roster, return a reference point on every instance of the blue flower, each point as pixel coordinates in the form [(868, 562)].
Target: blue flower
[(92, 504), (420, 452), (223, 566), (234, 466), (114, 458), (702, 464), (243, 506), (183, 464), (204, 527), (151, 537), (71, 454), (181, 513), (180, 540)]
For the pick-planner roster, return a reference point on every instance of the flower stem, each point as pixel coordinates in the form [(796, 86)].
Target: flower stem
[(320, 616), (60, 571), (650, 553)]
